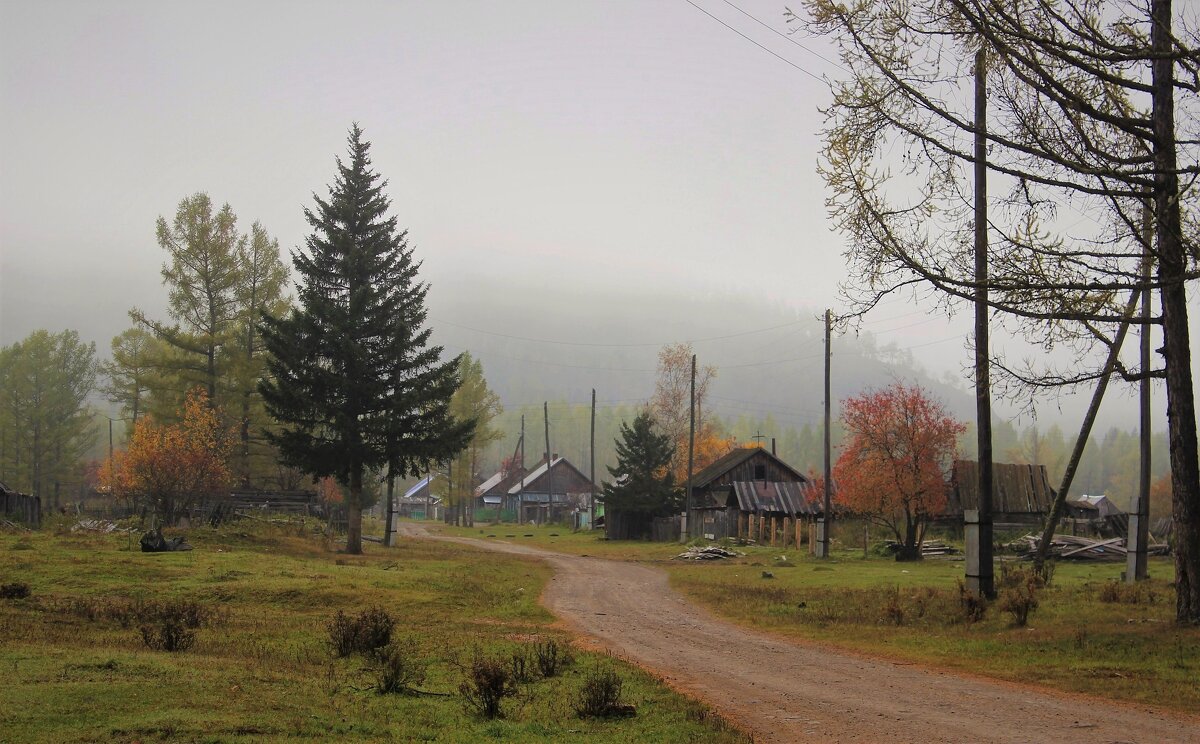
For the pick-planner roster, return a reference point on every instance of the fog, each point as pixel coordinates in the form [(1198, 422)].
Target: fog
[(572, 174)]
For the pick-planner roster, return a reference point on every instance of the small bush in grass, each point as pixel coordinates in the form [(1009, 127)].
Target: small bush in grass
[(1019, 587), (364, 633), (14, 590), (488, 681), (600, 696), (1122, 593), (972, 606), (522, 666), (399, 669), (171, 625), (893, 611), (551, 657)]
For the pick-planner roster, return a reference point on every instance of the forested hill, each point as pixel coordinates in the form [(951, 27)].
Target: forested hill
[(555, 345)]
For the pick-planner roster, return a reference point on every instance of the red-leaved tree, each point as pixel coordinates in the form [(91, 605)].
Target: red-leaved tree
[(899, 448)]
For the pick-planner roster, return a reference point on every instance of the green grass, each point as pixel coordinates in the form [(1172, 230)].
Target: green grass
[(267, 673), (1074, 641)]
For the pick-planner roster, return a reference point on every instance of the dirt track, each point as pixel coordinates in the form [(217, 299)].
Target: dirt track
[(793, 692)]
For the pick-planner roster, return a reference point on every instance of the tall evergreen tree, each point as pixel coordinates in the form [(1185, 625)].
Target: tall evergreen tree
[(642, 480), (351, 376)]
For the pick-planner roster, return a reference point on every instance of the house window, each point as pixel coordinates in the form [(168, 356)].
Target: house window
[(760, 472)]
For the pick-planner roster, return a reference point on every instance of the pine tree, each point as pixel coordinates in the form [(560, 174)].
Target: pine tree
[(642, 480), (351, 376)]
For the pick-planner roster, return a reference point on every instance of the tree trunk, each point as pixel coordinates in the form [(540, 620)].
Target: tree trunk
[(1172, 262), (388, 523), (354, 513)]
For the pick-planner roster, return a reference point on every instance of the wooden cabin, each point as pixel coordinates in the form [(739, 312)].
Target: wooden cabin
[(752, 494), (551, 494)]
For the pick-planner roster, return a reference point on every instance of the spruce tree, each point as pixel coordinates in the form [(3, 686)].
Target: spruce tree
[(351, 376), (642, 480)]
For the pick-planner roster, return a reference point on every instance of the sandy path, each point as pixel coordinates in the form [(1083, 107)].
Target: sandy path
[(785, 691)]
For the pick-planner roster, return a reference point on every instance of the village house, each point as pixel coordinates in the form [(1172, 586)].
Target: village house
[(548, 494), (1021, 493), (750, 493)]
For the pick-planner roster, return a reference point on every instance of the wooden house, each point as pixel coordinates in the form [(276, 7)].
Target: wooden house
[(752, 494), (1021, 493), (550, 493)]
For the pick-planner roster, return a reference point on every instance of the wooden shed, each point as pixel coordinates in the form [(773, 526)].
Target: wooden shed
[(549, 494), (752, 494), (1021, 493)]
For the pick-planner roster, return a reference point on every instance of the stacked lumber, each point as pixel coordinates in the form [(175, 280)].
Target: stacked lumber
[(1076, 548)]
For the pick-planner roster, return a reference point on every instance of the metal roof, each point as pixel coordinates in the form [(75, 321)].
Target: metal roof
[(773, 496), (420, 484), (533, 475)]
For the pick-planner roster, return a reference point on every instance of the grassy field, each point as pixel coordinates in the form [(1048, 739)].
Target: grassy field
[(75, 667), (1086, 635)]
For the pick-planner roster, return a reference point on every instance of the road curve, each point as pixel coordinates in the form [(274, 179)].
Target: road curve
[(784, 691)]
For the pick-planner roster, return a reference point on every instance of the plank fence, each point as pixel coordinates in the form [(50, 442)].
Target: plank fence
[(19, 507)]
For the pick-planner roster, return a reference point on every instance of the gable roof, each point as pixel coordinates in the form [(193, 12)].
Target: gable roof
[(421, 484), (731, 460), (540, 470)]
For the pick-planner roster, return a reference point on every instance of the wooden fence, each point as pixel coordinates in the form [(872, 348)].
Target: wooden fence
[(21, 508)]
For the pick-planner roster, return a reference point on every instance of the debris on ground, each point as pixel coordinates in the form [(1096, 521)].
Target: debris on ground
[(1078, 548), (929, 548), (154, 542), (94, 525), (708, 553)]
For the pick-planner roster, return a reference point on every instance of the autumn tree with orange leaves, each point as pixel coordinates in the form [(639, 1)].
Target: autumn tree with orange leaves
[(898, 452), (168, 468), (672, 391)]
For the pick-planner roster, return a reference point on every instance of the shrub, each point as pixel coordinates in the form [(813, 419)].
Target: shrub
[(551, 657), (893, 611), (14, 590), (399, 668), (365, 633), (972, 606), (170, 625), (600, 696), (487, 683), (1018, 591), (1120, 592), (521, 666)]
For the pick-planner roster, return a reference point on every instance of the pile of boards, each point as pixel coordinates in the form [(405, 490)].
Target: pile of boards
[(707, 553), (1075, 548)]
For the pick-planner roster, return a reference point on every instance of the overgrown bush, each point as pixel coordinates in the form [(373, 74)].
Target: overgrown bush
[(487, 682), (551, 657), (600, 696), (1122, 593), (522, 666), (399, 668), (893, 611), (1018, 591), (972, 607), (364, 633), (14, 590), (171, 625)]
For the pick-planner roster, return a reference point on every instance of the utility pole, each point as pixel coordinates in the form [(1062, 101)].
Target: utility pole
[(983, 583), (521, 483), (592, 501), (549, 464), (687, 504), (1139, 528), (827, 506)]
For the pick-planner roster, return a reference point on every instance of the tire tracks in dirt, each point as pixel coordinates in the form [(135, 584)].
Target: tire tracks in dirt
[(786, 691)]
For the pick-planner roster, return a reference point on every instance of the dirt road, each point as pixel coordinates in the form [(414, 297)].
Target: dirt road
[(794, 692)]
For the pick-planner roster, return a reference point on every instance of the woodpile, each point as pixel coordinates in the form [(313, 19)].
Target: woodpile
[(1076, 548)]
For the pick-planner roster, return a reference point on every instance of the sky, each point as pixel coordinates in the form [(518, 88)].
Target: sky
[(643, 147)]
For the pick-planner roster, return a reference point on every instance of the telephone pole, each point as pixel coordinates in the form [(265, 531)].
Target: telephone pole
[(549, 464), (521, 486), (827, 506), (983, 582), (592, 501), (687, 504)]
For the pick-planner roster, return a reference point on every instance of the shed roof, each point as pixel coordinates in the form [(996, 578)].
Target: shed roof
[(765, 496)]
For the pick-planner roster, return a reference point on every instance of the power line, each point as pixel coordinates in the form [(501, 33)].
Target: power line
[(786, 37), (785, 60)]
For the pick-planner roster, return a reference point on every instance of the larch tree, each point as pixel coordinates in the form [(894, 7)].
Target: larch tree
[(670, 407), (1093, 108), (473, 401), (895, 460), (351, 376), (131, 371), (45, 422)]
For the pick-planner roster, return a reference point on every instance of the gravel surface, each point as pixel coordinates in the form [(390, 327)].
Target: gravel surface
[(786, 691)]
